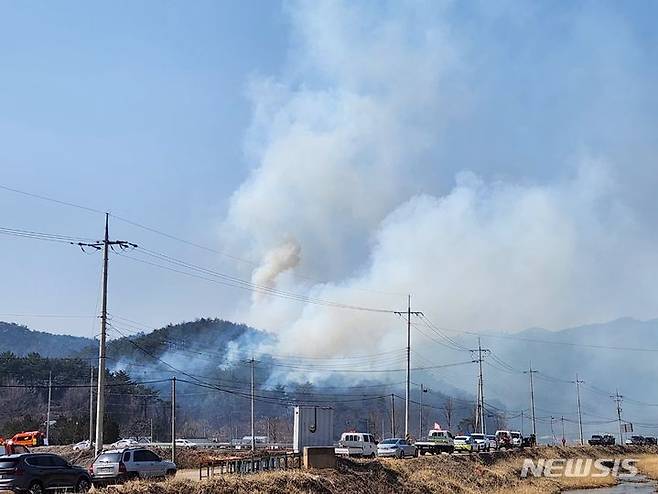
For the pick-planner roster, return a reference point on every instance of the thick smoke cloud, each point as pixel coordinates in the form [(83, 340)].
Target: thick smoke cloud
[(382, 155)]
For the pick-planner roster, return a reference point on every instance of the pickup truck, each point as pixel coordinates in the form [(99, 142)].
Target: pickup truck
[(356, 444), (437, 441)]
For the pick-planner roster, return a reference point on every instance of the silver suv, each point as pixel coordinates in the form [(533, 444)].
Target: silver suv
[(118, 465)]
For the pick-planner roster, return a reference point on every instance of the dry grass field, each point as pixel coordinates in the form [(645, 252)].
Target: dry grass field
[(499, 474)]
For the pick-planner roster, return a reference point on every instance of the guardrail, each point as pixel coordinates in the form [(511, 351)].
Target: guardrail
[(242, 466)]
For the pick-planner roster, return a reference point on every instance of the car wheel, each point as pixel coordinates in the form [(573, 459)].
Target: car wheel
[(83, 485), (170, 474), (36, 488), (399, 454)]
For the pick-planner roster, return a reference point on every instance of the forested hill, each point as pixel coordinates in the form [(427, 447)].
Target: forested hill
[(22, 341)]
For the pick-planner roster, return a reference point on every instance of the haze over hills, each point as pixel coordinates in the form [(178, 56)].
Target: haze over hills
[(615, 355)]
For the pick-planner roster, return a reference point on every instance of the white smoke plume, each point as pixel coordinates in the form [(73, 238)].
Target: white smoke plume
[(356, 160), (276, 261)]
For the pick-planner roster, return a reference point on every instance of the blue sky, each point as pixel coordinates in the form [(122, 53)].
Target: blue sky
[(509, 143)]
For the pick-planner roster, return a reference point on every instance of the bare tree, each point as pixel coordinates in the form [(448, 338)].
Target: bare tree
[(448, 407)]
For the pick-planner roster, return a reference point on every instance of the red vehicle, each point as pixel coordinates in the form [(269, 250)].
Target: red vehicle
[(7, 447)]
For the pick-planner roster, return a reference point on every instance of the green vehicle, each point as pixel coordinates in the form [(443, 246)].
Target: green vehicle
[(437, 441)]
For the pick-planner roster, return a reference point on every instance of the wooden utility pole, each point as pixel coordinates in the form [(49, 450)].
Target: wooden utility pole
[(173, 419), (580, 416), (407, 391), (532, 399)]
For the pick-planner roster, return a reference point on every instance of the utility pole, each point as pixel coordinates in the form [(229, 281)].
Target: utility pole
[(618, 399), (409, 313), (392, 415), (521, 422), (50, 393), (105, 246), (563, 438), (420, 422), (253, 425), (479, 418), (173, 419), (532, 399), (580, 416), (91, 407)]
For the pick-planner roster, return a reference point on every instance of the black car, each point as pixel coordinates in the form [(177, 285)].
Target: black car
[(650, 441), (596, 440), (34, 473)]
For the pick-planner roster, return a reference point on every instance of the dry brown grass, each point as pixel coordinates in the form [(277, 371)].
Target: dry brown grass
[(648, 465), (498, 474)]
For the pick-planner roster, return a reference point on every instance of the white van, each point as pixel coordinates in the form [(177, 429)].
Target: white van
[(357, 444)]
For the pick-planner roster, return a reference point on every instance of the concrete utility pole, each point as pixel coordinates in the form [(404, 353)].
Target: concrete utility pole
[(407, 392), (100, 396), (105, 246), (173, 419), (420, 421), (392, 415), (253, 425), (521, 422), (580, 416), (618, 399), (91, 407), (532, 399), (480, 413), (50, 394), (563, 438)]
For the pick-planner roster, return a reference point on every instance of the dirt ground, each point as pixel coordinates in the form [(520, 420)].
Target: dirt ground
[(498, 473)]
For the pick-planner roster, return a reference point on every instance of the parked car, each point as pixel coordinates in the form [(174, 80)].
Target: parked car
[(479, 442), (608, 440), (118, 465), (124, 443), (463, 443), (36, 473), (184, 443), (650, 441), (357, 444), (396, 447), (517, 439), (529, 441), (504, 439), (595, 440), (83, 445), (437, 441), (635, 441), (493, 442)]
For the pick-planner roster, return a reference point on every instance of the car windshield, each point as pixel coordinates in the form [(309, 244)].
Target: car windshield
[(109, 458), (478, 436), (389, 441), (596, 436), (461, 438), (516, 434)]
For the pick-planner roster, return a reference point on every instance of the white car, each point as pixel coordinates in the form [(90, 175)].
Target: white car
[(184, 443), (398, 448), (123, 443), (517, 439), (118, 465), (83, 445), (479, 442), (357, 444)]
